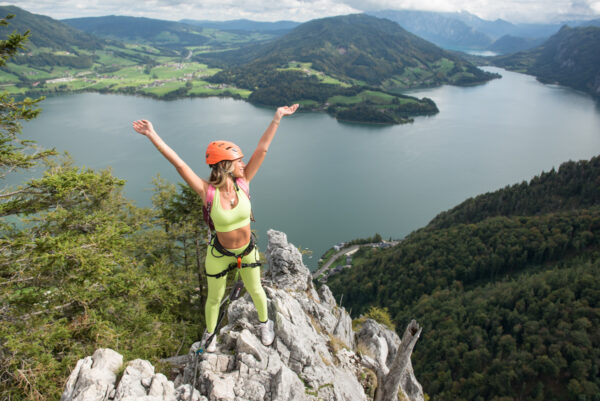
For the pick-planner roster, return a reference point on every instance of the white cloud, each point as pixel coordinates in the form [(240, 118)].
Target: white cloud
[(511, 10), (262, 10), (303, 10)]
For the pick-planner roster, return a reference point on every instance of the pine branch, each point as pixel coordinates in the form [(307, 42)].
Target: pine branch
[(59, 307)]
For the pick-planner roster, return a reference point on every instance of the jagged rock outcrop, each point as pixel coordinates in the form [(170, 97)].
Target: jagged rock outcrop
[(313, 357)]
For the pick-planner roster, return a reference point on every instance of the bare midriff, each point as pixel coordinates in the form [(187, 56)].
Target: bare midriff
[(236, 238)]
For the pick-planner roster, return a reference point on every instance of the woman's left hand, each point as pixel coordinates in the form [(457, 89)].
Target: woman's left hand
[(286, 111)]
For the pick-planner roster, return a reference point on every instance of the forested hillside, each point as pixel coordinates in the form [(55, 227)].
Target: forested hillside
[(171, 34), (49, 33), (364, 49), (163, 63), (571, 57), (244, 25), (145, 30), (576, 185), (353, 66), (506, 288)]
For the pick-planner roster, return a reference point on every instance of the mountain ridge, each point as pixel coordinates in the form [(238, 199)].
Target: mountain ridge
[(50, 33), (464, 31), (245, 25), (138, 29), (360, 47), (327, 63), (571, 57), (175, 34)]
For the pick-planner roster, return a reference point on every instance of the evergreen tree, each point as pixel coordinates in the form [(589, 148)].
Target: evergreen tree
[(82, 268), (15, 153)]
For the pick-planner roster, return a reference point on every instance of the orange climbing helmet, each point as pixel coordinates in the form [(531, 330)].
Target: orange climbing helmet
[(222, 150)]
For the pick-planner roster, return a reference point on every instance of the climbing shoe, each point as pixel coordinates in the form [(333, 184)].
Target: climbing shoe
[(267, 333), (212, 346)]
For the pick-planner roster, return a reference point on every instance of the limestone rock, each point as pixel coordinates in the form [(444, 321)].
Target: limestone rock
[(93, 377), (314, 355), (286, 269)]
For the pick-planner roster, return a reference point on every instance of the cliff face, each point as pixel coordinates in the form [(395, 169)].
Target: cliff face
[(315, 354)]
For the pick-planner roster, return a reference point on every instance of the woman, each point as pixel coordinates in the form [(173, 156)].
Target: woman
[(230, 213)]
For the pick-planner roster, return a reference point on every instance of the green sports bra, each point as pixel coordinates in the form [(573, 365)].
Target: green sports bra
[(229, 220)]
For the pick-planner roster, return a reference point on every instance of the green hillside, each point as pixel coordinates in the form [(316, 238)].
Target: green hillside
[(47, 32), (329, 63), (352, 67), (60, 59), (571, 58), (165, 33), (245, 25), (361, 49), (506, 288)]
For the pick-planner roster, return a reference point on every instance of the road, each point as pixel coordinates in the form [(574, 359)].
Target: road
[(333, 259), (343, 251)]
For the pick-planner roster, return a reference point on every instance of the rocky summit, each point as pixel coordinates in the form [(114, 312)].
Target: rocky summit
[(316, 354)]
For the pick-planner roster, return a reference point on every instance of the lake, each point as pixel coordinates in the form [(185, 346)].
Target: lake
[(324, 181)]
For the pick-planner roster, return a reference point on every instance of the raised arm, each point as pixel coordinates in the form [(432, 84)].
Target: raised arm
[(265, 141), (145, 128)]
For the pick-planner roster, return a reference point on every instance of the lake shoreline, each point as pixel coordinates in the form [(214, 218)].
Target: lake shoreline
[(427, 167)]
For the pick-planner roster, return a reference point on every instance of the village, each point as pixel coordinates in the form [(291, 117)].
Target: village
[(342, 258)]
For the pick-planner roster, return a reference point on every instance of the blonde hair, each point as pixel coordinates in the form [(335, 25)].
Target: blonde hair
[(220, 172)]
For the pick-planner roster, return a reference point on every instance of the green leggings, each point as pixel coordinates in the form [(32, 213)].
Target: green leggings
[(215, 263)]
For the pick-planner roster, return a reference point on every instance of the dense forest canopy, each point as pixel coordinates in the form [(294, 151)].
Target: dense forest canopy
[(505, 285)]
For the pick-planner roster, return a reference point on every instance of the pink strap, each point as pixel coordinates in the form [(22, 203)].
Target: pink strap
[(210, 195), (242, 183)]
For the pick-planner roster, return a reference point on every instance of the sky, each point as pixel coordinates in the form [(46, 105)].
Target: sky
[(303, 10)]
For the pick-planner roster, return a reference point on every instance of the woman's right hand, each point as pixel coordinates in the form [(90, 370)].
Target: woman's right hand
[(285, 111), (143, 127)]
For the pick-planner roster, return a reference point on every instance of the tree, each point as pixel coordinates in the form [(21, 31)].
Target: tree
[(15, 153), (81, 267), (183, 220), (388, 377)]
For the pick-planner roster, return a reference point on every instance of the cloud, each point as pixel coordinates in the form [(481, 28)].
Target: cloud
[(303, 10), (511, 10), (261, 10)]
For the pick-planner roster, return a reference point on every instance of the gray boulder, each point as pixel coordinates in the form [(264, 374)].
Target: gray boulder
[(286, 269), (93, 378)]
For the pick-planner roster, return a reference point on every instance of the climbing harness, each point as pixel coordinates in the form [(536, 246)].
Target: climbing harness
[(216, 245)]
